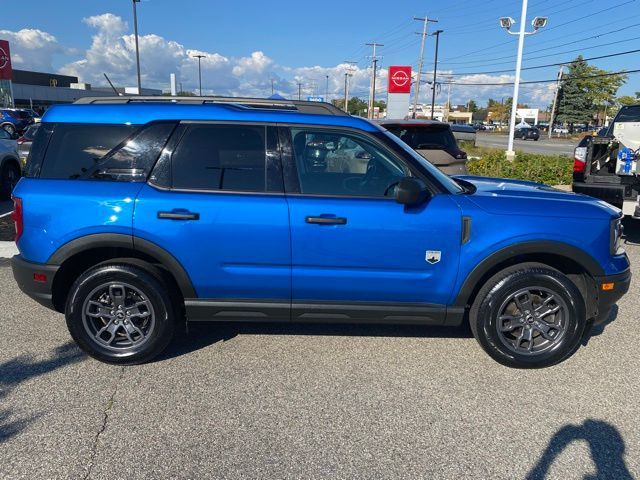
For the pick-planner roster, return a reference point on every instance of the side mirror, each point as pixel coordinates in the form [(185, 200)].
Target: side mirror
[(411, 191)]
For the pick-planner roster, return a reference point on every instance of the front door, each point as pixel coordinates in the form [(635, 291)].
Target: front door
[(353, 245)]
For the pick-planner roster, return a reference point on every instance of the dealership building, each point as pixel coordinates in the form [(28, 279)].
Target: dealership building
[(37, 89)]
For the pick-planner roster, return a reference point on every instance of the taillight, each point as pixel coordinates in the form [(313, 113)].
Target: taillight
[(21, 140), (17, 216), (579, 159)]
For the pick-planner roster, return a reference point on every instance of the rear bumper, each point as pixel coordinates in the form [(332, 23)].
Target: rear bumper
[(608, 298), (25, 274), (609, 192)]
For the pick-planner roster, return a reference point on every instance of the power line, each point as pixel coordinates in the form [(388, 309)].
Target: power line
[(617, 54), (610, 74)]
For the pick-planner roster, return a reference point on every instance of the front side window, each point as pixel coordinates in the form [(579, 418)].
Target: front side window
[(220, 157), (340, 163)]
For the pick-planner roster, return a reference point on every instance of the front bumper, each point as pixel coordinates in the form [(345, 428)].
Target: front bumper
[(35, 279), (608, 298)]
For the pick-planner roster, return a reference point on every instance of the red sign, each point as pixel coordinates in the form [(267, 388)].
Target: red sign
[(400, 79), (6, 73)]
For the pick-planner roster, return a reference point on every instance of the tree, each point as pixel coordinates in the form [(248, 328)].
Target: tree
[(586, 90), (472, 106), (628, 100)]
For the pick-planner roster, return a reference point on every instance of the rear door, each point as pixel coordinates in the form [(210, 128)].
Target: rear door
[(215, 202)]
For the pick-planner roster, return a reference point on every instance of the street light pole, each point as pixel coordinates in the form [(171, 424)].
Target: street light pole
[(435, 69), (135, 29), (199, 57), (507, 22), (326, 92)]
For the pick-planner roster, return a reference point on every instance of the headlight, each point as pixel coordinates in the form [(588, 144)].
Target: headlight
[(615, 242)]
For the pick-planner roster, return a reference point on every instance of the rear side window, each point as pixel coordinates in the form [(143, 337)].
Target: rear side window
[(90, 151), (221, 157)]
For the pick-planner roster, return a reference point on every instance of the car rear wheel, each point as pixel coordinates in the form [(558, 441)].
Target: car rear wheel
[(9, 177), (120, 314), (529, 316)]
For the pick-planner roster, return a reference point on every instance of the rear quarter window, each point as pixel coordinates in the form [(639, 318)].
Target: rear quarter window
[(92, 151)]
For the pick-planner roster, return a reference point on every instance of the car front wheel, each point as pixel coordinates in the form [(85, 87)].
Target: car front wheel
[(120, 314), (529, 316)]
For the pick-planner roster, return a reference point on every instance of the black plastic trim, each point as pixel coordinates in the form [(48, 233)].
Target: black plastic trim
[(526, 248), (608, 298), (23, 272), (466, 230), (237, 310), (111, 240)]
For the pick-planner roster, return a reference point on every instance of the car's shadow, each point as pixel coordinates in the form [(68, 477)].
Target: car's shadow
[(631, 231), (199, 335)]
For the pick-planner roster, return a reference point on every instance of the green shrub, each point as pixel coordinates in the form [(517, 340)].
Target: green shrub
[(552, 170)]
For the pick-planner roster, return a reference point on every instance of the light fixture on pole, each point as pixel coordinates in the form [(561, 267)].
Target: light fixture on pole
[(507, 23), (199, 57), (135, 31)]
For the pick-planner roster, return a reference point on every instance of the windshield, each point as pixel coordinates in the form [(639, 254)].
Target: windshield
[(420, 137), (445, 180)]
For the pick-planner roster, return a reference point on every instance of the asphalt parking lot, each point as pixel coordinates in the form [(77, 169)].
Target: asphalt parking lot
[(286, 401), (545, 146)]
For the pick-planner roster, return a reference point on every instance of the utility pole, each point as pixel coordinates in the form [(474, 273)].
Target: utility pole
[(272, 89), (299, 91), (425, 27), (374, 66), (135, 29), (555, 101), (326, 90), (435, 69), (347, 74), (199, 57)]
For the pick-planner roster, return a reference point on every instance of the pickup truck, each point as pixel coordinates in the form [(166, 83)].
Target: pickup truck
[(606, 166)]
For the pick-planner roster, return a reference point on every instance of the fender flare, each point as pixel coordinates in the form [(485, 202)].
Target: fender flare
[(586, 261), (106, 240)]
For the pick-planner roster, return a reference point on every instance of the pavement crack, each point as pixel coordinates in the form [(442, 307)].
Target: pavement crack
[(103, 427)]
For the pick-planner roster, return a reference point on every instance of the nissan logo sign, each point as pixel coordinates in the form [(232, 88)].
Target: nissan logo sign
[(400, 78), (4, 58)]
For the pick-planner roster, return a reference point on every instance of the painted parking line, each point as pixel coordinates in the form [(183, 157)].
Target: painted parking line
[(5, 214), (8, 249)]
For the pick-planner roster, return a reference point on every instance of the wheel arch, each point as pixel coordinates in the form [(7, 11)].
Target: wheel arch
[(85, 252), (578, 265)]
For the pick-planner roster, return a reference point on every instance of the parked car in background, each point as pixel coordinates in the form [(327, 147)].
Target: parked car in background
[(33, 114), (606, 166), (433, 140), (465, 133), (479, 126), (14, 121), (560, 130), (25, 140), (527, 133), (10, 169)]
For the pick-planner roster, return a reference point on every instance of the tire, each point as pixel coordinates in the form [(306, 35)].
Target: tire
[(514, 337), (9, 177), (120, 314)]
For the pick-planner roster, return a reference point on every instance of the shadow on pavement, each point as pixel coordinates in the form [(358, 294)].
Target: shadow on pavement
[(606, 445), (202, 335), (631, 231), (22, 368)]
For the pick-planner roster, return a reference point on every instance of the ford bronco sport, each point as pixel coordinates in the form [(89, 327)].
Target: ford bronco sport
[(137, 212)]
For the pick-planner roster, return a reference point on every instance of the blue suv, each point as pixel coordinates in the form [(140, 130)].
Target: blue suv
[(136, 213)]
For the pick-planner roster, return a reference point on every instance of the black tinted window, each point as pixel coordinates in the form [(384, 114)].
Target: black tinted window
[(629, 114), (221, 157), (424, 137), (74, 150)]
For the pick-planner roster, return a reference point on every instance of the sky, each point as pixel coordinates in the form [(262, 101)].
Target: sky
[(253, 45)]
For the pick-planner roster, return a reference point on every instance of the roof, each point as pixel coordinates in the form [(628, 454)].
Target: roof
[(411, 122), (139, 113)]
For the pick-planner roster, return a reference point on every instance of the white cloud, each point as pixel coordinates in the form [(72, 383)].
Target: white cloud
[(32, 48), (112, 51)]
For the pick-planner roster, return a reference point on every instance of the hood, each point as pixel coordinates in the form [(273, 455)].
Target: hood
[(511, 197)]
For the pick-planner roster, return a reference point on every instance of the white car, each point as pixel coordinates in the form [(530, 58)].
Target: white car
[(10, 170), (561, 130)]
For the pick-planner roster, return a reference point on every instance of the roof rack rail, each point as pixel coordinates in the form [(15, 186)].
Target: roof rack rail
[(299, 106)]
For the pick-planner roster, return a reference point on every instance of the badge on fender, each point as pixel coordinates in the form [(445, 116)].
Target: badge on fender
[(432, 256)]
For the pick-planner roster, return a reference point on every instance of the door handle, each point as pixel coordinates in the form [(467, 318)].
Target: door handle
[(326, 220), (178, 215)]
